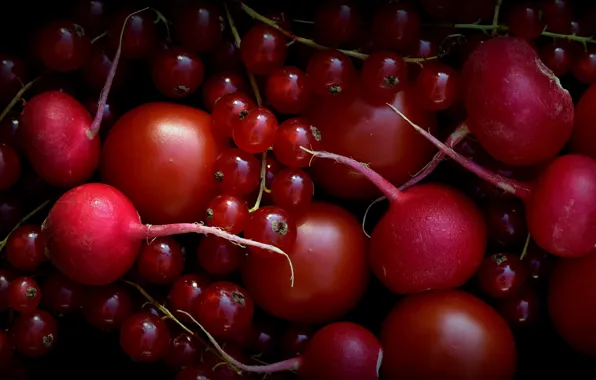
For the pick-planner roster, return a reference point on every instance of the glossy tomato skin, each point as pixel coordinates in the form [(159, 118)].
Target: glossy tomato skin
[(330, 265), (369, 132), (161, 156), (446, 334), (583, 138), (572, 302)]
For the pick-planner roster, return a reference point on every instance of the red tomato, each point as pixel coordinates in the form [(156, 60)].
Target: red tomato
[(330, 265), (446, 334), (161, 156), (572, 302), (583, 138), (373, 134)]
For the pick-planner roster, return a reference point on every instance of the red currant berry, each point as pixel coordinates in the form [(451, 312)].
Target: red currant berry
[(199, 26), (184, 293), (291, 135), (106, 307), (384, 74), (24, 295), (184, 350), (501, 275), (525, 21), (34, 334), (225, 310), (437, 87), (218, 256), (236, 172), (145, 337), (330, 73), (220, 84), (229, 110), (177, 73), (395, 26), (139, 34), (63, 46), (25, 249), (337, 23), (255, 132), (263, 49), (292, 189), (160, 261), (227, 212), (60, 295), (271, 225), (286, 90)]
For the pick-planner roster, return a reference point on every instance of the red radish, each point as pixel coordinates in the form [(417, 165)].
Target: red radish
[(93, 234), (432, 237), (560, 204), (517, 108), (60, 138), (338, 351), (583, 140)]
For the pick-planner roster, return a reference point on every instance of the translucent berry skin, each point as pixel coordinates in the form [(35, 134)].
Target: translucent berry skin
[(384, 74), (263, 49), (218, 256), (501, 275), (160, 261), (227, 212), (293, 190), (145, 337), (330, 73), (139, 35), (35, 334), (395, 26), (291, 135), (255, 133), (225, 309), (24, 295), (236, 172), (286, 90), (271, 225), (229, 110), (63, 46), (337, 23), (198, 26), (177, 73), (24, 249)]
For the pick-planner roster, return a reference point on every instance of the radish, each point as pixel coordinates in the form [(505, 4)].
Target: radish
[(516, 106), (560, 203), (60, 139), (338, 351), (432, 237), (93, 234)]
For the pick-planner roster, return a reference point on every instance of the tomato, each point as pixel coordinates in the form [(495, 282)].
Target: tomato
[(161, 156), (572, 302), (583, 138), (446, 334), (371, 133), (330, 265)]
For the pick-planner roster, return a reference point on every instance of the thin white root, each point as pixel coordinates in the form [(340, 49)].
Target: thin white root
[(366, 213)]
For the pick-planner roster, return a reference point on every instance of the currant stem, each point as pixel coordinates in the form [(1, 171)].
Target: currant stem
[(263, 185), (505, 28), (17, 97), (286, 365), (308, 42), (521, 190), (99, 37), (164, 310), (103, 97), (25, 218), (259, 99), (496, 17), (526, 244), (149, 231)]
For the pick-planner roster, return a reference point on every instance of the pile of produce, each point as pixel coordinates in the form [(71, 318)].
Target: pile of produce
[(342, 190)]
